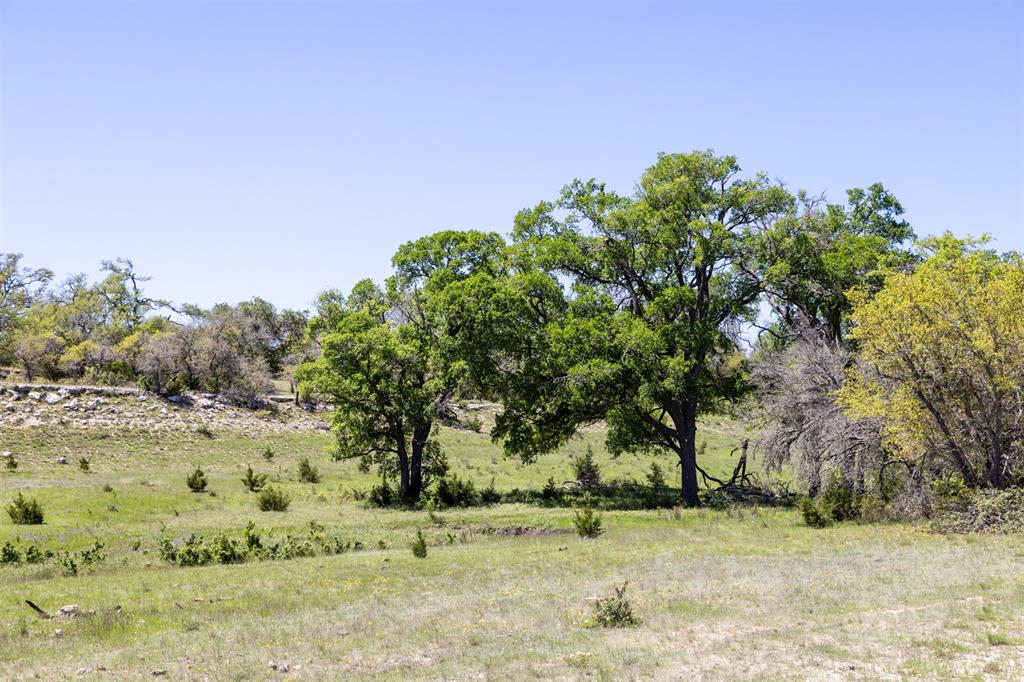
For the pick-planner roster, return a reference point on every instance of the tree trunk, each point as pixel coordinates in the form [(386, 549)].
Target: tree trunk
[(419, 443), (403, 471), (686, 425)]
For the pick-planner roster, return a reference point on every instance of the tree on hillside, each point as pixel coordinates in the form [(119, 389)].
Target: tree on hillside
[(20, 288), (385, 364), (648, 340), (941, 365)]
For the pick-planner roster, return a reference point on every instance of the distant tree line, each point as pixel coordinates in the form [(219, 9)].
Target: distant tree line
[(110, 331)]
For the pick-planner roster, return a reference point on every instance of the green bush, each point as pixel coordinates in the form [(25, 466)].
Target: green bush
[(838, 500), (272, 499), (587, 522), (656, 477), (551, 490), (490, 494), (9, 554), (307, 472), (196, 481), (614, 611), (252, 481), (419, 545), (382, 494), (473, 422), (268, 454), (227, 550), (204, 431), (586, 470), (453, 491), (11, 462), (813, 516), (34, 555), (950, 491), (25, 512), (84, 464)]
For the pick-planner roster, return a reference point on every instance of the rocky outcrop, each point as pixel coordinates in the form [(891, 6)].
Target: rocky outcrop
[(35, 405)]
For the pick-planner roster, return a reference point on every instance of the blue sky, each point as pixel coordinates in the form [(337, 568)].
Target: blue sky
[(276, 149)]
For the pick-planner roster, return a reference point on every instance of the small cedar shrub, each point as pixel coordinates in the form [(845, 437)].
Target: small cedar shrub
[(614, 611), (272, 499), (419, 545), (307, 472), (196, 481), (25, 512), (587, 522)]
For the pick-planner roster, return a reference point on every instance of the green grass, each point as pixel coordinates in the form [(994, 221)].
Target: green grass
[(736, 594)]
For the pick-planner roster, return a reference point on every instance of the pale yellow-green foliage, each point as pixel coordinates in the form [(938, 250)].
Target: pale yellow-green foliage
[(942, 346)]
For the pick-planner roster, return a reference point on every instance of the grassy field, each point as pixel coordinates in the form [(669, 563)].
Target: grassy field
[(505, 591)]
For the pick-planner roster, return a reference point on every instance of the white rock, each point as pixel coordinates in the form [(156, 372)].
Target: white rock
[(69, 611), (206, 403), (58, 633), (35, 395), (94, 403), (62, 460), (51, 398), (71, 404)]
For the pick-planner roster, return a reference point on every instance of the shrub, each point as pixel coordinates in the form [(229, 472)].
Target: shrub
[(204, 431), (984, 511), (9, 554), (11, 462), (551, 490), (838, 500), (107, 488), (252, 538), (227, 550), (268, 454), (614, 611), (419, 545), (872, 509), (84, 464), (949, 491), (382, 494), (252, 481), (587, 522), (67, 564), (656, 477), (586, 470), (272, 499), (33, 555), (196, 481), (25, 512), (473, 422), (490, 494), (307, 472), (453, 491), (812, 515)]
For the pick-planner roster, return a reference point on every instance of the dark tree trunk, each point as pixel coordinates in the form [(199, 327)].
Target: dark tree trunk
[(419, 443), (403, 471), (686, 424)]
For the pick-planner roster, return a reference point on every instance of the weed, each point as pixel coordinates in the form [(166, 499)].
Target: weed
[(419, 545), (614, 611), (84, 464)]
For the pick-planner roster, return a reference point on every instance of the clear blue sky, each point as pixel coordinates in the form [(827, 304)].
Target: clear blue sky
[(275, 149)]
